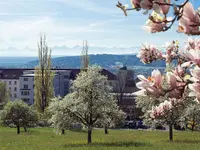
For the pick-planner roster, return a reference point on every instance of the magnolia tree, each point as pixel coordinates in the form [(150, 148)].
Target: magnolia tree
[(18, 114), (145, 103), (89, 99), (164, 13), (182, 81)]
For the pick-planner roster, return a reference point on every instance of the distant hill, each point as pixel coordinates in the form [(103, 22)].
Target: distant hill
[(105, 60), (15, 62)]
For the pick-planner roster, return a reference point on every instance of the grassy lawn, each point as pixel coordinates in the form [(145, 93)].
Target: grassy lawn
[(46, 139)]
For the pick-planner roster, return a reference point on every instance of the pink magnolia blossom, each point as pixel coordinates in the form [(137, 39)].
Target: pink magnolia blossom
[(171, 49), (154, 27), (189, 21), (195, 87), (159, 111), (175, 85), (176, 82), (153, 84), (136, 3), (149, 53), (157, 78), (175, 93), (179, 71), (193, 56), (171, 80), (163, 108), (146, 4), (164, 9), (193, 44)]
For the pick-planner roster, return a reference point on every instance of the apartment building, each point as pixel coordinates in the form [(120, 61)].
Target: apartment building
[(124, 91), (20, 82)]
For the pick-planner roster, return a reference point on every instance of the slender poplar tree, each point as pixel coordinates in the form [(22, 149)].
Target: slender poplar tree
[(85, 60), (43, 89), (4, 95)]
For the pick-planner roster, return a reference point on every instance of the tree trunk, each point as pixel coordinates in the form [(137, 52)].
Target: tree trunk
[(89, 135), (18, 129), (63, 131), (106, 130), (170, 132), (25, 129), (193, 124)]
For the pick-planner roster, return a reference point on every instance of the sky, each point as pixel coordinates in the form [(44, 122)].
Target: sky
[(67, 23)]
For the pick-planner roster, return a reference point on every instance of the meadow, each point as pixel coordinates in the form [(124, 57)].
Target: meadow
[(46, 139)]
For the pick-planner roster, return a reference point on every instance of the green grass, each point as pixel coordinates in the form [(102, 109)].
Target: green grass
[(46, 139)]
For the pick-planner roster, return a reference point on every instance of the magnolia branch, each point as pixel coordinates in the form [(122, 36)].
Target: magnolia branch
[(178, 12)]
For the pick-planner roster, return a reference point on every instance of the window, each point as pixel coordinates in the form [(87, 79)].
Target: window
[(66, 76), (25, 79), (25, 99), (15, 82), (10, 95), (24, 92), (10, 88), (15, 88), (66, 85), (10, 82), (25, 86), (15, 95)]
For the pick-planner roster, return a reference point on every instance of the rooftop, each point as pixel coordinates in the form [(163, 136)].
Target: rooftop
[(15, 73)]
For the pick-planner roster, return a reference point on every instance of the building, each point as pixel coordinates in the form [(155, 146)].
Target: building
[(20, 82), (124, 91)]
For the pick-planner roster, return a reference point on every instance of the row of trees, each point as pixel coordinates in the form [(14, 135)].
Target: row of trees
[(88, 104)]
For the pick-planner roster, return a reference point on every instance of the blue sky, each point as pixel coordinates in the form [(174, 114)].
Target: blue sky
[(69, 22)]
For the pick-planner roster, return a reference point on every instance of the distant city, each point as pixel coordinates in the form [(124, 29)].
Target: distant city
[(107, 61)]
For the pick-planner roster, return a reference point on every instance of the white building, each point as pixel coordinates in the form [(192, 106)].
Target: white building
[(20, 82)]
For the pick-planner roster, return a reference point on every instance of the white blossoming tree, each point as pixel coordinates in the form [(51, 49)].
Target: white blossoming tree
[(59, 119), (191, 116), (19, 114), (112, 116), (90, 95)]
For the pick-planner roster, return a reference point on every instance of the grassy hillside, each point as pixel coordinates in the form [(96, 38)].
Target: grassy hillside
[(46, 139)]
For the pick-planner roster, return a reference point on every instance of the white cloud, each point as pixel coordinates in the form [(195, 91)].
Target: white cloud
[(21, 33)]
